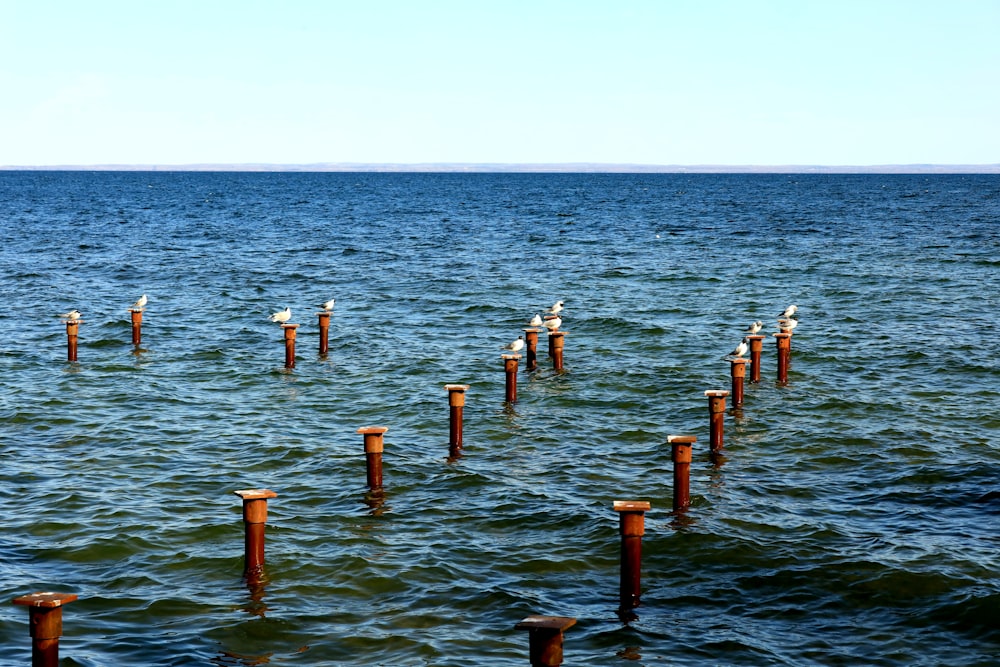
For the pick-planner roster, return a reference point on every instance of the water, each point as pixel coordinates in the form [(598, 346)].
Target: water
[(853, 520)]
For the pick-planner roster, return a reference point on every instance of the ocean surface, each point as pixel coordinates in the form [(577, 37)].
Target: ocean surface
[(854, 519)]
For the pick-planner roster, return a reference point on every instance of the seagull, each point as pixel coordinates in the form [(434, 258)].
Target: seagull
[(789, 311), (552, 323), (787, 325), (328, 306), (740, 350), (72, 315), (755, 327), (536, 321), (556, 307), (140, 302), (514, 346), (281, 316)]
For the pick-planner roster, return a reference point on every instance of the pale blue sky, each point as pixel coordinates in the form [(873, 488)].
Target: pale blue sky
[(841, 82)]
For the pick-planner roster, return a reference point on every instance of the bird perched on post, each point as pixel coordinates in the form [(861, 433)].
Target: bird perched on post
[(791, 310), (740, 350), (72, 315), (327, 306), (281, 316), (515, 345), (755, 327), (556, 308), (139, 303), (535, 321), (552, 323)]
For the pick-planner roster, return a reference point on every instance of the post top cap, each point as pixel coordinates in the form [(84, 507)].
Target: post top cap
[(756, 336), (373, 430), (681, 439), (48, 600), (631, 505), (546, 623), (532, 330), (286, 325), (255, 494), (321, 313), (558, 332), (456, 387), (739, 360), (510, 356), (783, 334), (717, 393)]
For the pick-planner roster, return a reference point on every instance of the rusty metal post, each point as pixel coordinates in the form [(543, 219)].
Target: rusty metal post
[(72, 329), (510, 370), (631, 524), (784, 341), (756, 344), (531, 348), (289, 330), (456, 404), (738, 372), (254, 520), (716, 414), (680, 454), (545, 638), (556, 341), (136, 326), (373, 454), (324, 332), (45, 625)]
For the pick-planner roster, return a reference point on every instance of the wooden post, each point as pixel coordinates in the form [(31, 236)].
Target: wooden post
[(373, 454), (72, 329), (545, 638), (631, 515), (784, 341), (45, 625), (756, 344), (456, 404), (136, 326), (254, 519), (289, 330), (510, 370), (716, 414), (738, 371), (531, 348), (324, 332), (557, 340), (680, 454)]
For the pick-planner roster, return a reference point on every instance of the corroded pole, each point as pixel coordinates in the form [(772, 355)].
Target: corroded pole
[(557, 341), (289, 330), (680, 454), (738, 372), (510, 371), (631, 526), (254, 520), (716, 414), (72, 329), (45, 625), (545, 638), (456, 404), (136, 314), (373, 454), (531, 348), (324, 332), (784, 341), (756, 344)]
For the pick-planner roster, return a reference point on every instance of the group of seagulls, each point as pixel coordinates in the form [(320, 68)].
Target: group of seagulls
[(75, 315), (283, 316), (551, 322), (785, 324)]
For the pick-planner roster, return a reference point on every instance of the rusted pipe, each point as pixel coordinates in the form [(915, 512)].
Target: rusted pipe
[(72, 329), (784, 342), (680, 454), (545, 638), (373, 454), (631, 526), (456, 404), (510, 370), (136, 326), (531, 348), (556, 341), (254, 520), (716, 414), (45, 625), (756, 344), (289, 330), (324, 332), (738, 372)]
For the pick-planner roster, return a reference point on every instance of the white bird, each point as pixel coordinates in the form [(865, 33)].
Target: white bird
[(281, 316), (741, 349), (536, 321), (328, 306), (755, 327), (789, 311), (552, 323), (556, 308), (72, 315), (786, 326), (514, 346), (140, 302)]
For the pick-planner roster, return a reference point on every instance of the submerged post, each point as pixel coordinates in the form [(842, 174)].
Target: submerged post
[(373, 454), (456, 404), (784, 341), (136, 314), (716, 414), (545, 638), (756, 344), (510, 370), (254, 520), (531, 347), (631, 526), (289, 330), (680, 454), (738, 372), (45, 625), (72, 329), (557, 341), (324, 332)]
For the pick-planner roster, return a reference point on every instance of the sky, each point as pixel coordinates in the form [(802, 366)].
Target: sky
[(655, 82)]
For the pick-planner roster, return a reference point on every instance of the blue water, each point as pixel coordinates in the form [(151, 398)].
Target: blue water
[(853, 520)]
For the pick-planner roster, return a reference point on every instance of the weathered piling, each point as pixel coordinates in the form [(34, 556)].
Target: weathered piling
[(254, 520), (72, 330), (289, 330), (510, 370), (373, 454), (557, 341), (631, 526), (545, 638), (738, 372), (456, 405), (45, 625), (716, 414), (756, 344), (784, 342), (531, 348), (324, 332), (136, 314), (680, 454)]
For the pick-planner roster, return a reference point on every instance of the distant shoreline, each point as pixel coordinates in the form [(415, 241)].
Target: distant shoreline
[(581, 167)]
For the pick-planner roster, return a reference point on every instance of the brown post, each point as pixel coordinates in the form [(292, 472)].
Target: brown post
[(510, 369), (631, 524), (531, 348), (556, 341), (72, 329), (756, 344), (136, 326), (324, 332), (545, 638), (289, 330), (45, 625), (680, 454), (716, 413), (456, 403), (373, 454), (254, 518), (738, 371), (784, 341)]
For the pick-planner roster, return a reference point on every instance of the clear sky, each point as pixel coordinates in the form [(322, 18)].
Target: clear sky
[(838, 82)]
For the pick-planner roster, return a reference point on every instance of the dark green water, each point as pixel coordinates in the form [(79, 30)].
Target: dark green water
[(854, 519)]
